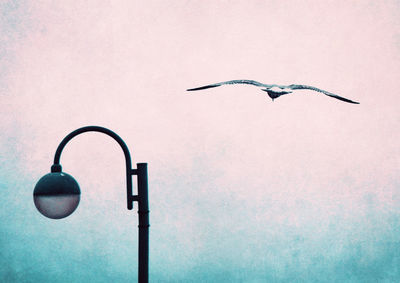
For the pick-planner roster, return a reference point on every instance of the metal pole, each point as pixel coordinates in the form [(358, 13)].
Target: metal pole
[(144, 224)]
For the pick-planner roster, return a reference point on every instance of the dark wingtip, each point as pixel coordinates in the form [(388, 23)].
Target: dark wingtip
[(202, 87), (343, 99), (349, 101)]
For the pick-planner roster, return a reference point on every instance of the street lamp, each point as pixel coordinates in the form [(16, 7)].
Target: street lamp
[(57, 194)]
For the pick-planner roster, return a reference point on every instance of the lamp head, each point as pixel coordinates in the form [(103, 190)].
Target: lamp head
[(57, 194)]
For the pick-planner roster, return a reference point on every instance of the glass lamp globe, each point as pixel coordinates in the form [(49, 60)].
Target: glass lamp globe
[(56, 195)]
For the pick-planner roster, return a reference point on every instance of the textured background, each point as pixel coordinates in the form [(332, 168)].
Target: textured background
[(242, 189)]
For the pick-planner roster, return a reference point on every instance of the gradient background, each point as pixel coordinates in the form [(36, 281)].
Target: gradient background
[(242, 189)]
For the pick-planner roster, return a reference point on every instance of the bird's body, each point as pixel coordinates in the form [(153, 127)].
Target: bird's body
[(274, 90)]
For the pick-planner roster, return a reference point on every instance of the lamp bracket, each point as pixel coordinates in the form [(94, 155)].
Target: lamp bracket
[(56, 168)]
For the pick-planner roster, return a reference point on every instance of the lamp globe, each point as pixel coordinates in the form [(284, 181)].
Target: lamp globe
[(56, 195)]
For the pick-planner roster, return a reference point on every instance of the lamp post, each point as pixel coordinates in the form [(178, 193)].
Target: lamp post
[(57, 194)]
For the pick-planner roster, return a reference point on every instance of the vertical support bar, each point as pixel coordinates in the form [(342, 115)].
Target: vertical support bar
[(143, 211), (129, 195)]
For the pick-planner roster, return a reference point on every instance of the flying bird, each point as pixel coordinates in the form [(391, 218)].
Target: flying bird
[(274, 90)]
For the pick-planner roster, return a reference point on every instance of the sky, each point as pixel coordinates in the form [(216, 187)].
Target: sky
[(304, 188)]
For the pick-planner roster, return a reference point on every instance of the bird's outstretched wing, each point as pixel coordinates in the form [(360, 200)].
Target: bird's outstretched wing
[(248, 82), (322, 91)]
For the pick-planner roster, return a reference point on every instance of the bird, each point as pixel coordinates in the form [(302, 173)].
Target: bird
[(273, 90)]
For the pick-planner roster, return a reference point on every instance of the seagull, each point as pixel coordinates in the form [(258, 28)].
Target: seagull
[(274, 90)]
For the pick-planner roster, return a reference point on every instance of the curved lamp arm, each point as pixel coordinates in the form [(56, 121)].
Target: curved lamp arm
[(93, 129), (129, 171)]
